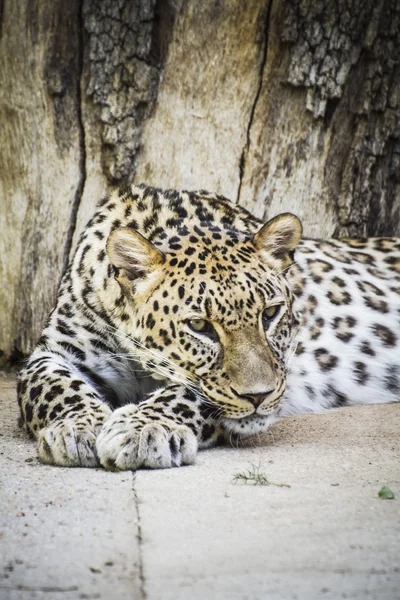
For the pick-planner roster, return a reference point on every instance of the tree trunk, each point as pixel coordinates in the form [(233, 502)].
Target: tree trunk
[(279, 105)]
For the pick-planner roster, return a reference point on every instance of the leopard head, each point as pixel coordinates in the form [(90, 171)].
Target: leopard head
[(212, 309)]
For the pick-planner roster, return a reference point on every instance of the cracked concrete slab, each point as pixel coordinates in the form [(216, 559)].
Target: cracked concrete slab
[(69, 533), (194, 533), (326, 536)]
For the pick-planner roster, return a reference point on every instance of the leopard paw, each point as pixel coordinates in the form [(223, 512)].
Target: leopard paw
[(128, 441), (70, 444)]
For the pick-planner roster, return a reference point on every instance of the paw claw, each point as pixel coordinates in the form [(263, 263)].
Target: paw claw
[(128, 443), (61, 444)]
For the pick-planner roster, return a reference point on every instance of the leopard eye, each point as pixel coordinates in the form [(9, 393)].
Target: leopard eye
[(204, 327), (269, 314), (198, 324)]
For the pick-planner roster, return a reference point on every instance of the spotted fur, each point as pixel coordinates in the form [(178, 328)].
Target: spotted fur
[(181, 321)]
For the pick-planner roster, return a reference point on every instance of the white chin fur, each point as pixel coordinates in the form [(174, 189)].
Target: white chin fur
[(251, 425)]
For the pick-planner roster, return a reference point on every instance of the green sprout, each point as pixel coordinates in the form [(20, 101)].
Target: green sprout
[(386, 493), (255, 477)]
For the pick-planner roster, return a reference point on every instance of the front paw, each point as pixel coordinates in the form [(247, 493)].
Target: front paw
[(129, 441), (61, 443), (71, 442)]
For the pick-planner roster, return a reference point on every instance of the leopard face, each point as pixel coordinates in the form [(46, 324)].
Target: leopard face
[(213, 310)]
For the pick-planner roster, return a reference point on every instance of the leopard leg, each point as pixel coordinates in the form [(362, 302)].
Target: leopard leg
[(164, 431), (61, 409)]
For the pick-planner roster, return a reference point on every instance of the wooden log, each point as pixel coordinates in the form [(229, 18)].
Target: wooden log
[(279, 105)]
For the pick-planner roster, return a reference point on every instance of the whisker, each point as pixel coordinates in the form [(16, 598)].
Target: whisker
[(163, 366), (139, 346)]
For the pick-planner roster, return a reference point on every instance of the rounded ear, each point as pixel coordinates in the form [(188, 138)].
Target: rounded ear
[(278, 238), (130, 252)]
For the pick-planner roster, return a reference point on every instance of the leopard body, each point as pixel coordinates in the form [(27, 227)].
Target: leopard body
[(182, 321)]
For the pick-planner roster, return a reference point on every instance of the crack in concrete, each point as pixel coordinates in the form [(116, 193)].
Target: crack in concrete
[(142, 581), (46, 589), (246, 147), (82, 148)]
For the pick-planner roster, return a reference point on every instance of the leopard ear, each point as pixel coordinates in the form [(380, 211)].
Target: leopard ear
[(130, 252), (278, 238)]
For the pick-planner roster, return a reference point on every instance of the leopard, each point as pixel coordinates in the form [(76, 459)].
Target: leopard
[(184, 322)]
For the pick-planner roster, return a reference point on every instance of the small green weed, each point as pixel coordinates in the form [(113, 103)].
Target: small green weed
[(386, 493), (255, 477)]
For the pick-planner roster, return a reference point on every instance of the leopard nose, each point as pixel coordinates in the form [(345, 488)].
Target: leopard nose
[(256, 399)]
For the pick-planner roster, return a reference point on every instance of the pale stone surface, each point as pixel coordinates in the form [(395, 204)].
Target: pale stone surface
[(69, 533), (327, 536), (193, 533)]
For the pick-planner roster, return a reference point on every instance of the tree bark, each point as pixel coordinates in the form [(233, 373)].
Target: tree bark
[(278, 104), (41, 162), (325, 139)]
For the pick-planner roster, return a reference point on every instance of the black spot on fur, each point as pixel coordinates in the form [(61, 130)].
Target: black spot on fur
[(361, 375), (190, 269), (207, 411), (392, 378), (339, 298), (35, 392), (385, 335), (76, 384), (365, 348), (338, 398), (28, 412), (21, 387), (42, 412), (184, 410), (150, 322), (55, 390), (325, 360), (207, 432), (310, 392)]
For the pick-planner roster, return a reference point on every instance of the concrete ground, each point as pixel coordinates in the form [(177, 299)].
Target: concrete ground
[(193, 533)]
